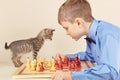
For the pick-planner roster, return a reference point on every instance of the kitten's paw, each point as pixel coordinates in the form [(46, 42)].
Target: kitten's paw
[(16, 66), (21, 64)]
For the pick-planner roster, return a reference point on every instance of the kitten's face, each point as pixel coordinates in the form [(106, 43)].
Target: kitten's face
[(47, 33)]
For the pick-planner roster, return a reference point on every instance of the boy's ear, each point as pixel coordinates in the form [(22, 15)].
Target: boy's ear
[(78, 21)]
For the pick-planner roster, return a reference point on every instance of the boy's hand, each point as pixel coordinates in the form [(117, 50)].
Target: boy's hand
[(60, 75)]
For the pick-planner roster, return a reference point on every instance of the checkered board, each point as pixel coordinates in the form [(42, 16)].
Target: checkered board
[(22, 72)]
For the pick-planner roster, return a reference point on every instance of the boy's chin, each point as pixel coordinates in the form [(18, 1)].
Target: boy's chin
[(75, 39)]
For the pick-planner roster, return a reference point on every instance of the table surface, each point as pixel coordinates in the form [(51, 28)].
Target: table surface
[(7, 69)]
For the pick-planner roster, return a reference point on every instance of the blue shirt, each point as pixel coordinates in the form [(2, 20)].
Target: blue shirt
[(105, 53)]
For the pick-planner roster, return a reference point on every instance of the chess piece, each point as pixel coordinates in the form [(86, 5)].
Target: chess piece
[(60, 65), (72, 65), (66, 61), (60, 62), (44, 62), (42, 67), (49, 64), (53, 65), (38, 67), (33, 65), (28, 63), (77, 64), (56, 64)]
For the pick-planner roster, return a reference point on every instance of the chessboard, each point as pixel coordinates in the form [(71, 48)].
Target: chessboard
[(24, 72)]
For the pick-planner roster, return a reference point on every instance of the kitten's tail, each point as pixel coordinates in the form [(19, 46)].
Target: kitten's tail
[(6, 46)]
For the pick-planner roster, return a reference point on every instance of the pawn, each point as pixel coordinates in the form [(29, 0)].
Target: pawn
[(33, 65), (28, 63), (52, 68), (53, 65), (42, 67), (77, 63), (60, 63), (49, 64), (60, 66), (44, 62), (56, 64), (38, 67), (72, 65), (66, 61)]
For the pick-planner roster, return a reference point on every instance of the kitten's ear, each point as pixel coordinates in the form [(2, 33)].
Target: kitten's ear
[(53, 30)]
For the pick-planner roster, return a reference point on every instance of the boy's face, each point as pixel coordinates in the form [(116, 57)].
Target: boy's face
[(75, 30)]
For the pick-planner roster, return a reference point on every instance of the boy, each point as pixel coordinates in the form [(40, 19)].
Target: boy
[(103, 42)]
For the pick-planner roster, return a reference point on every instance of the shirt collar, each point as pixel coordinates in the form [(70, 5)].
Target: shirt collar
[(93, 29)]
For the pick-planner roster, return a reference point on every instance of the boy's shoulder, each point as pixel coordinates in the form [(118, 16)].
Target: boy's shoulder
[(105, 23), (106, 28)]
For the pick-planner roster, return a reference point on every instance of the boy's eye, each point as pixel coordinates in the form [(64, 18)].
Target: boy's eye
[(66, 28)]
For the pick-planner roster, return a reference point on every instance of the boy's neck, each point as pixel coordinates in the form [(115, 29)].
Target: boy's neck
[(88, 25)]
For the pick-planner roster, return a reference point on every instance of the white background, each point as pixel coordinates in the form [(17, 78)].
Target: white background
[(22, 19)]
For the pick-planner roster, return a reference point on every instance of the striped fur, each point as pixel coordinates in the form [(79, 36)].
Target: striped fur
[(22, 47)]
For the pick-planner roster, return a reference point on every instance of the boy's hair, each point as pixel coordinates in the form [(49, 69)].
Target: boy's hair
[(72, 9)]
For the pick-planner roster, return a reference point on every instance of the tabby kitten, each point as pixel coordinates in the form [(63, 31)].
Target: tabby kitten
[(22, 47)]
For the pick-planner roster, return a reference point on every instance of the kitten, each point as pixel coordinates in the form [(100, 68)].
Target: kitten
[(22, 47)]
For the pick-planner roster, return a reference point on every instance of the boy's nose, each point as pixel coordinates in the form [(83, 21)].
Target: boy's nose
[(67, 32)]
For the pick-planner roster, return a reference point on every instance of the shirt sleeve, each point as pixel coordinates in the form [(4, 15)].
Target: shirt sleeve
[(109, 66), (101, 72), (83, 55)]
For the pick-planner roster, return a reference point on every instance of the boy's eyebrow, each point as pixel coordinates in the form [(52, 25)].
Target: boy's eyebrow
[(64, 26)]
